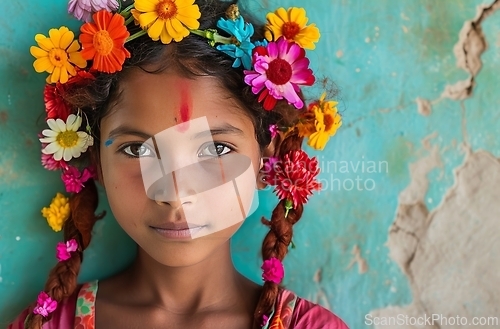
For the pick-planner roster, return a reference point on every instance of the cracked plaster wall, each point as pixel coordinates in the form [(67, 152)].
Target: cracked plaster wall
[(418, 92)]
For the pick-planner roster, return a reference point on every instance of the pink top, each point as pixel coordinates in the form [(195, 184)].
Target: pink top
[(289, 312)]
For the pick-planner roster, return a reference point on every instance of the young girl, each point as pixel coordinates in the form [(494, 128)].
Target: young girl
[(180, 110)]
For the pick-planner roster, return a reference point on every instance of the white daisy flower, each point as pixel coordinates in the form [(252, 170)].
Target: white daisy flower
[(64, 140)]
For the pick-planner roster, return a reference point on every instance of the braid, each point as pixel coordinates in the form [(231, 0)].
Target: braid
[(279, 237), (62, 280)]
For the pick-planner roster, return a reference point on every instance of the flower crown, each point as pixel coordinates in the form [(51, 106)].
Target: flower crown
[(275, 68)]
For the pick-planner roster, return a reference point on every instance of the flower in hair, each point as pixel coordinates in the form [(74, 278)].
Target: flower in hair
[(44, 304), (278, 74), (73, 179), (64, 250), (49, 163), (295, 177), (291, 24), (265, 319), (269, 170), (240, 47), (103, 41), (273, 270), (168, 20), (55, 105), (274, 130), (83, 9), (327, 122), (64, 140), (57, 212), (58, 55)]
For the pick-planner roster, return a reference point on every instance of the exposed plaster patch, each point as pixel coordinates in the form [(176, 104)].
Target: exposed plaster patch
[(444, 252), (468, 50), (424, 106), (358, 259)]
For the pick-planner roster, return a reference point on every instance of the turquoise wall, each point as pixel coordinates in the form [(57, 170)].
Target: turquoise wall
[(383, 55)]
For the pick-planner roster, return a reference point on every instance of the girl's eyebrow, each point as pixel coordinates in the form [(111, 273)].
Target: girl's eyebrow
[(225, 128), (126, 130)]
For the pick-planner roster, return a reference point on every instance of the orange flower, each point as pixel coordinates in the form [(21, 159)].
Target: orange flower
[(103, 41)]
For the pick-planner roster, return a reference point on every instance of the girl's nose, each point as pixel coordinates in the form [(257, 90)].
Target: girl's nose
[(172, 191)]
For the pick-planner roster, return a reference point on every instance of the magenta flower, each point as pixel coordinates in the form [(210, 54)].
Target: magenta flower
[(83, 9), (44, 304), (265, 318), (73, 179), (274, 130), (273, 270), (279, 73), (64, 250), (269, 169)]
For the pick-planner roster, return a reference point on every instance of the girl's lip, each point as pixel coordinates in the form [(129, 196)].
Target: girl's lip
[(175, 226), (178, 233)]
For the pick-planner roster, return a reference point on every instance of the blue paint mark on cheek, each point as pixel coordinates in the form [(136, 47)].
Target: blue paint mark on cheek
[(108, 142)]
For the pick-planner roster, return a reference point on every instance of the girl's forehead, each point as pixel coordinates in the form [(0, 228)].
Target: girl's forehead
[(163, 100)]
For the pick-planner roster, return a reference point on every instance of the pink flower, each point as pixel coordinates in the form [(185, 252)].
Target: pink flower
[(273, 270), (49, 163), (279, 73), (295, 177), (269, 170), (44, 304), (63, 250), (274, 130), (83, 9), (73, 179)]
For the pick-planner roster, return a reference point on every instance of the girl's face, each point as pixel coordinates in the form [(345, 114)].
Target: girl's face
[(179, 162)]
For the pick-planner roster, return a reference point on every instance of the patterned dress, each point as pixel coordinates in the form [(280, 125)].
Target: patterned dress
[(289, 312)]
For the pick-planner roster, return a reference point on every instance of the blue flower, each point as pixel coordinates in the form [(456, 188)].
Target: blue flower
[(262, 43), (241, 48)]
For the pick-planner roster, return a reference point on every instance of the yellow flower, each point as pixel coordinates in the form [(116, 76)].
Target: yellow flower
[(58, 212), (168, 19), (327, 122), (291, 24), (57, 55)]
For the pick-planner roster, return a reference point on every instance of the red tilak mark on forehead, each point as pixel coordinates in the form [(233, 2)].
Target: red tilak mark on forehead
[(185, 107)]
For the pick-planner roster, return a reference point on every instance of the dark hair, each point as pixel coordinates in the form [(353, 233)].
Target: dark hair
[(191, 57)]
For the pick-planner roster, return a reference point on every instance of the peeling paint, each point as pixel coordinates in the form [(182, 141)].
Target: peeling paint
[(423, 106), (357, 259), (442, 264), (468, 50)]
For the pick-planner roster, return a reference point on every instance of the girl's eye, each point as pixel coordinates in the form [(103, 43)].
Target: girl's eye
[(215, 150), (137, 150)]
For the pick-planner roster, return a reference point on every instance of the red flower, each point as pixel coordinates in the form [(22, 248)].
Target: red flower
[(295, 177), (53, 95), (55, 105), (81, 78)]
